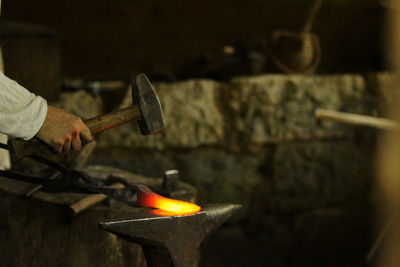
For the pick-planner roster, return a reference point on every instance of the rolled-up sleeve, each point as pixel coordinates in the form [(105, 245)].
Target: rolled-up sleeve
[(22, 113)]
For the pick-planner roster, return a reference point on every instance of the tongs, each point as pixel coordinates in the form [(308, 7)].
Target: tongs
[(78, 182)]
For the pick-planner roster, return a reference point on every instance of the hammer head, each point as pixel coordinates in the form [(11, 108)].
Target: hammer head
[(144, 96)]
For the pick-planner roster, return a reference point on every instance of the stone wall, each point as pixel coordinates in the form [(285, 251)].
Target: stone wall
[(304, 184)]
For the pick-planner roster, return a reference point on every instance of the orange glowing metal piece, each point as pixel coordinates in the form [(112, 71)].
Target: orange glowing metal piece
[(165, 206)]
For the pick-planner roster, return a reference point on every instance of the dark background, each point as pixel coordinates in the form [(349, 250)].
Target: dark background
[(172, 39)]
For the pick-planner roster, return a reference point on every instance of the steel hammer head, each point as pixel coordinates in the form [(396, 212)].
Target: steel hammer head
[(144, 96)]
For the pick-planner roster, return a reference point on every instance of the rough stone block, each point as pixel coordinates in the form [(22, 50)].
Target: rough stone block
[(191, 116), (315, 174), (275, 108)]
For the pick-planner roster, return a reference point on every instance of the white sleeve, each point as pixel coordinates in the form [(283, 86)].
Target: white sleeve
[(22, 113)]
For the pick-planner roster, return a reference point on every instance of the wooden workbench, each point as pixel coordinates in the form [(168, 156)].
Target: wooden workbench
[(36, 232)]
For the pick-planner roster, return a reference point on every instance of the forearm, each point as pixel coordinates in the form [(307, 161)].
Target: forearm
[(21, 112)]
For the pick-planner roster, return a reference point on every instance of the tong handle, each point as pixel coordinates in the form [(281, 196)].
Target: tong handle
[(90, 201), (20, 149)]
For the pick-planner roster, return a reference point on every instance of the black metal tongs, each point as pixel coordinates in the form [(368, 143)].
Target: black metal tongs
[(74, 181)]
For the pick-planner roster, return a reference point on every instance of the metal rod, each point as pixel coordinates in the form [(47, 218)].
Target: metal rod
[(356, 119)]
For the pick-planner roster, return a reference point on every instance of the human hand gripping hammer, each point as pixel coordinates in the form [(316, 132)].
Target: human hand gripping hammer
[(145, 109)]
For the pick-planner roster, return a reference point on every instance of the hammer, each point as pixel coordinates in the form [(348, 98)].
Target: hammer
[(145, 109)]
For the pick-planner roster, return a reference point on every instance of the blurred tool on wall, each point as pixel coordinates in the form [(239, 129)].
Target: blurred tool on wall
[(297, 52)]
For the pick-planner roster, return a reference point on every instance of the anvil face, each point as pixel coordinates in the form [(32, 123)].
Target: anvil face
[(171, 240)]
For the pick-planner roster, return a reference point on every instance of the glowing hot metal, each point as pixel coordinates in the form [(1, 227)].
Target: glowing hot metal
[(165, 206)]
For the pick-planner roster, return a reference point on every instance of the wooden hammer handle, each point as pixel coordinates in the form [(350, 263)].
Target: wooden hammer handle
[(88, 202), (113, 119)]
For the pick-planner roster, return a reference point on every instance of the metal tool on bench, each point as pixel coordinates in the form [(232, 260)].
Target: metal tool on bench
[(146, 109)]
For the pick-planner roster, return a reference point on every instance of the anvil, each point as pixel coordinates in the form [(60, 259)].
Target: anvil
[(171, 240)]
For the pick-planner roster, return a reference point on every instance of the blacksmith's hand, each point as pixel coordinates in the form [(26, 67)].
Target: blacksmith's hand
[(63, 131)]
